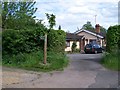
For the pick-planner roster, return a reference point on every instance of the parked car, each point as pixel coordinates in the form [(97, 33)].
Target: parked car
[(93, 48)]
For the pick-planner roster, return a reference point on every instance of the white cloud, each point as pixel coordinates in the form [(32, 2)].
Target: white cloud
[(71, 14)]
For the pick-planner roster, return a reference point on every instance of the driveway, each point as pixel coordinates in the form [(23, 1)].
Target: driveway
[(84, 71)]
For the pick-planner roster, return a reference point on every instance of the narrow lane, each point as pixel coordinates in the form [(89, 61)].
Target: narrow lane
[(83, 71)]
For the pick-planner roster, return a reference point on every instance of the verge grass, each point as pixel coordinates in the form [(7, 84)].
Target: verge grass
[(111, 61), (34, 61)]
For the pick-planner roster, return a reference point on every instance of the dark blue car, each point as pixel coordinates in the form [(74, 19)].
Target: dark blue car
[(93, 48)]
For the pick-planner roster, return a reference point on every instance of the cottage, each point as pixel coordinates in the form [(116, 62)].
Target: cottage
[(83, 37)]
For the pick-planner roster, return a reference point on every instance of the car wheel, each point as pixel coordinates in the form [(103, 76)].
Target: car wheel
[(96, 52)]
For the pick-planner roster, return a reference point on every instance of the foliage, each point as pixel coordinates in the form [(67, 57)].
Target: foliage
[(18, 15), (26, 41), (113, 38), (59, 28), (88, 26), (111, 61), (51, 20), (56, 40), (74, 46), (34, 61), (21, 41), (103, 30)]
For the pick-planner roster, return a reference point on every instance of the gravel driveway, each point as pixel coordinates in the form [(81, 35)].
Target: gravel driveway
[(84, 71)]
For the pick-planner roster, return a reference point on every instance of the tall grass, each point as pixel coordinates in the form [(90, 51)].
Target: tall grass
[(34, 61), (112, 61)]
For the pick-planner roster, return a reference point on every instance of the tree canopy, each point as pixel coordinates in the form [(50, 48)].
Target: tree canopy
[(88, 26), (18, 15), (51, 20)]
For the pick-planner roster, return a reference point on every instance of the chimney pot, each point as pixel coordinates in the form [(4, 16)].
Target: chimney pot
[(97, 27)]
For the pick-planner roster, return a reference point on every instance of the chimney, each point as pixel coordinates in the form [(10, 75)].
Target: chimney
[(97, 28)]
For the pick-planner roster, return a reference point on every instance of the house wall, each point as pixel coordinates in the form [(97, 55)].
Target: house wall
[(69, 48), (89, 37)]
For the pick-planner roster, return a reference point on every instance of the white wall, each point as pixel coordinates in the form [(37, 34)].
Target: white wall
[(69, 48)]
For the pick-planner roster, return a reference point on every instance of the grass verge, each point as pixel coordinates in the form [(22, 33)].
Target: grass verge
[(34, 61), (111, 61)]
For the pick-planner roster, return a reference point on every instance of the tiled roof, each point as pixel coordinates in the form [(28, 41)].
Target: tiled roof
[(72, 36)]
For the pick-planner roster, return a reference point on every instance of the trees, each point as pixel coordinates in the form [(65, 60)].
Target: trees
[(18, 15), (59, 28), (51, 20), (88, 26)]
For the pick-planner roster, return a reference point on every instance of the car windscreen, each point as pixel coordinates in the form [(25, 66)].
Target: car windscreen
[(88, 46), (96, 46)]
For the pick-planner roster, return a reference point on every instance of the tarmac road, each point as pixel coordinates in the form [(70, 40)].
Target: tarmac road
[(84, 71)]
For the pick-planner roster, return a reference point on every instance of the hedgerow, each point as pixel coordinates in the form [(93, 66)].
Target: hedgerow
[(27, 41), (113, 38)]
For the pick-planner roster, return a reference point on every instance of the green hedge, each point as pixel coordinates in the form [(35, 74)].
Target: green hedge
[(113, 38), (27, 41), (56, 40)]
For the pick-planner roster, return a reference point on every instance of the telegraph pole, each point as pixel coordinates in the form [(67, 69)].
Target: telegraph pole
[(95, 19)]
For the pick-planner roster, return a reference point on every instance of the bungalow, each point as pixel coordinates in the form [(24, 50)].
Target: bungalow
[(83, 37)]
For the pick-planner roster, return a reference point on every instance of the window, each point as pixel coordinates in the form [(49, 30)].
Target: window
[(93, 41), (67, 43)]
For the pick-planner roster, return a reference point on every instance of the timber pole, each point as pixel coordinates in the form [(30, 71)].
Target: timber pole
[(45, 49)]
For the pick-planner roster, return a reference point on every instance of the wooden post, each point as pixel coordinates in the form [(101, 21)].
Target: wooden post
[(45, 49)]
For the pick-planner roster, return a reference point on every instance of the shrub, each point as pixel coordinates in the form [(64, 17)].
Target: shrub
[(27, 41), (113, 38), (74, 46), (56, 41), (20, 41)]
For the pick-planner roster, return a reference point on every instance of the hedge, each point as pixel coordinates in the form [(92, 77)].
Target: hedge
[(56, 40), (113, 38), (27, 41)]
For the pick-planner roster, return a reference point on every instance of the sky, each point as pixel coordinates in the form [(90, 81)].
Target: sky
[(73, 14)]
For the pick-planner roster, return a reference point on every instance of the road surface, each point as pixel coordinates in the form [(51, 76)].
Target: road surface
[(84, 71)]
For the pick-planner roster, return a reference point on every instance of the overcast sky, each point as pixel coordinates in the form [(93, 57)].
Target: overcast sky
[(71, 14)]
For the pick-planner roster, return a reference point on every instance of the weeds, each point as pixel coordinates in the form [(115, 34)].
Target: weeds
[(34, 61), (111, 61)]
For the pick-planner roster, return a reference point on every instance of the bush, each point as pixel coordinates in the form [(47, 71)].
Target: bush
[(113, 38), (74, 46), (27, 41), (20, 41), (56, 41)]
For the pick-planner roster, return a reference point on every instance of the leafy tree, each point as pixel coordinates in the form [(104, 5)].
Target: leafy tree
[(103, 30), (18, 15), (59, 28), (88, 26), (74, 46), (51, 20)]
